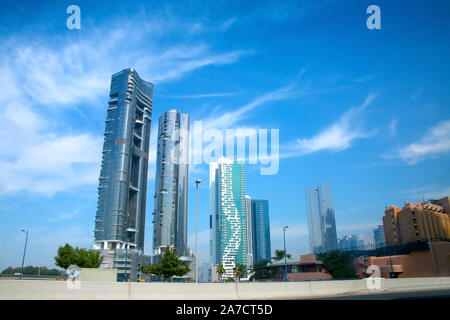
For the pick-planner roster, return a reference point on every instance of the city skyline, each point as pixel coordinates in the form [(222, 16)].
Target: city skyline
[(350, 108)]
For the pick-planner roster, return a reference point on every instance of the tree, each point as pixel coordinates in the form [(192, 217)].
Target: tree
[(238, 271), (220, 270), (30, 270), (170, 265), (67, 255), (338, 264), (279, 254), (259, 270)]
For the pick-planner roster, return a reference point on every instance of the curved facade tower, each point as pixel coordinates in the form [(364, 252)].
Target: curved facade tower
[(228, 215), (120, 219), (171, 183)]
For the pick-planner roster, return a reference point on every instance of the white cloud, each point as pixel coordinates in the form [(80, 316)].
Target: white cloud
[(203, 95), (228, 119), (337, 137), (435, 141), (36, 155), (429, 191)]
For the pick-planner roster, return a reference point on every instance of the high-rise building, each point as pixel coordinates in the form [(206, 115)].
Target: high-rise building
[(351, 242), (120, 220), (407, 225), (321, 219), (228, 215), (171, 184), (378, 235), (248, 203), (261, 230)]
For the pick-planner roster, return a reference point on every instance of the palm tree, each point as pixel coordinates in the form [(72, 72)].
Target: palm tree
[(238, 271), (279, 254), (220, 270)]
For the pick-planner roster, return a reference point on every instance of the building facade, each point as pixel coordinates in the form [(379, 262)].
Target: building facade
[(248, 203), (261, 230), (351, 242), (228, 216), (171, 184), (409, 224), (321, 219), (378, 235), (122, 191)]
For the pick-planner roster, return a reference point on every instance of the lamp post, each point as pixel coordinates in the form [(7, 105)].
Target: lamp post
[(285, 253), (428, 235), (24, 251), (197, 182)]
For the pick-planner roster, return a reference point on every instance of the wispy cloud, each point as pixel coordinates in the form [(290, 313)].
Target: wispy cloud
[(228, 119), (204, 95), (337, 137), (436, 141), (429, 191), (65, 216), (41, 76)]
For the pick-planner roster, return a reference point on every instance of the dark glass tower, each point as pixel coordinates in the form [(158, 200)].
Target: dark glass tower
[(120, 219), (261, 230), (321, 219), (171, 184)]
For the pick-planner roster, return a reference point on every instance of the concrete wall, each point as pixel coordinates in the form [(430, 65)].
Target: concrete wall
[(91, 274), (30, 289)]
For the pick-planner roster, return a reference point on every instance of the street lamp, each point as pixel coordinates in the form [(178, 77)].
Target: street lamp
[(24, 251), (285, 253), (197, 182), (428, 234)]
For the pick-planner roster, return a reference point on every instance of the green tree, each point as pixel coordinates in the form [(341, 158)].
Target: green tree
[(170, 266), (238, 271), (30, 270), (220, 270), (279, 254), (259, 270), (338, 264), (83, 258)]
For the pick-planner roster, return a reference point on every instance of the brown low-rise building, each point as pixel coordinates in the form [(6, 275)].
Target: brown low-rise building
[(415, 264), (407, 225)]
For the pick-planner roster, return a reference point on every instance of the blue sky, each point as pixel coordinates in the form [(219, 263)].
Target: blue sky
[(363, 110)]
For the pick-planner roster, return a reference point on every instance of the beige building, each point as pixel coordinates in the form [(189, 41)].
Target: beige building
[(407, 225), (415, 264)]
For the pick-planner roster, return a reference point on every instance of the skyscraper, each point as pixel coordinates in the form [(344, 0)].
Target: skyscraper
[(351, 242), (228, 215), (248, 204), (261, 230), (321, 220), (378, 235), (171, 183), (122, 191)]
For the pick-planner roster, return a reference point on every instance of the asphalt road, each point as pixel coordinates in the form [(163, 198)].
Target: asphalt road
[(410, 295)]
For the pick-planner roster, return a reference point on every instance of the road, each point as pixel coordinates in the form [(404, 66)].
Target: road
[(409, 295)]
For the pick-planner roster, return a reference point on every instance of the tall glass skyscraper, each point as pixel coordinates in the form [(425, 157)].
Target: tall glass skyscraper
[(321, 219), (261, 230), (171, 183), (228, 215), (248, 203), (379, 237), (122, 191)]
